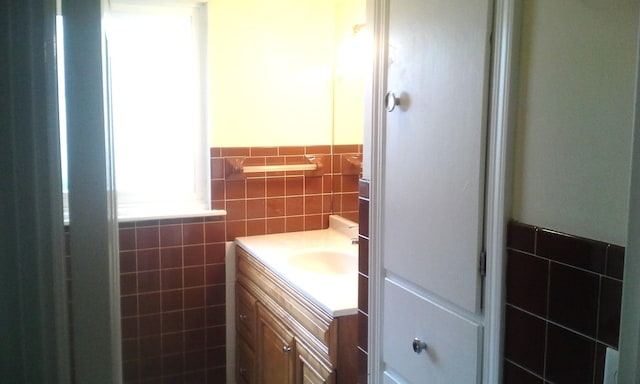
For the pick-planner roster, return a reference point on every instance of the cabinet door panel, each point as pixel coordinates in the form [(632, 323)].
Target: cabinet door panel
[(434, 151), (275, 351), (452, 353), (246, 364), (245, 312)]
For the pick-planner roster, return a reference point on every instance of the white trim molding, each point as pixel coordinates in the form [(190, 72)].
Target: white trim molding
[(506, 36), (377, 16)]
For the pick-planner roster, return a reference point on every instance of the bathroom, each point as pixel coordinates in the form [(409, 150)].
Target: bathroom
[(569, 180)]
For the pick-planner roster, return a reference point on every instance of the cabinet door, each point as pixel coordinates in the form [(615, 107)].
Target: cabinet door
[(246, 363), (245, 312), (310, 369), (433, 188), (435, 145), (275, 350)]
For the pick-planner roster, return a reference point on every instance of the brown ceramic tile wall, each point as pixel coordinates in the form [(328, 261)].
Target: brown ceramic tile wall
[(563, 306), (363, 281), (283, 202), (172, 286), (172, 272)]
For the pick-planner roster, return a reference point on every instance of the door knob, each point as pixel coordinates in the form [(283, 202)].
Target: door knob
[(418, 345), (286, 349), (243, 317), (390, 101)]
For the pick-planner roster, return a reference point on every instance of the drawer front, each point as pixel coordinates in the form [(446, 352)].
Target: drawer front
[(311, 369), (245, 312), (453, 343)]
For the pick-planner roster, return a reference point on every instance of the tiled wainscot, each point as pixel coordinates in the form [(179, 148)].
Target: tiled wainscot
[(563, 306)]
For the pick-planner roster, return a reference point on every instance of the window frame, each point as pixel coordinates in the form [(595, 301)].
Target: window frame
[(138, 206)]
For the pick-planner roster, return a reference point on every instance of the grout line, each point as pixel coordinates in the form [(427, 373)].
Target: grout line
[(525, 369), (547, 299), (566, 328), (562, 263)]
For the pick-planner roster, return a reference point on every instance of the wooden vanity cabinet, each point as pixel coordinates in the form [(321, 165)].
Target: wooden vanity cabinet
[(287, 338)]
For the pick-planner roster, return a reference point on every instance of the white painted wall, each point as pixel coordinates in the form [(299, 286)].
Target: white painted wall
[(575, 114)]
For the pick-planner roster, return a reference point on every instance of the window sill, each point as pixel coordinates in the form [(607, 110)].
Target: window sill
[(126, 218)]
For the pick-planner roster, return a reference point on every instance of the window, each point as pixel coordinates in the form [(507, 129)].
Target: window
[(156, 56), (156, 72)]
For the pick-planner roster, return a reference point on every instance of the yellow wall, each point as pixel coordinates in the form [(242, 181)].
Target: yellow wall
[(271, 71), (353, 54)]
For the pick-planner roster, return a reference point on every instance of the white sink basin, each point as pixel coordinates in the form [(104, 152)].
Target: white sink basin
[(320, 264), (324, 262)]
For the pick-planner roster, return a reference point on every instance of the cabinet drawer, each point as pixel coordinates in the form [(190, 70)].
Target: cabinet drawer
[(245, 312), (453, 342), (310, 369)]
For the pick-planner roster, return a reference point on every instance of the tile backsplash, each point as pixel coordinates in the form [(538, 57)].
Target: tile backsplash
[(289, 201), (564, 295)]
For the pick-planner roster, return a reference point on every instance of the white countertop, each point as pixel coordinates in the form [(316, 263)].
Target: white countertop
[(336, 293)]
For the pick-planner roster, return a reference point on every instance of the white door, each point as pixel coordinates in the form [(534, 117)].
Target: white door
[(433, 190)]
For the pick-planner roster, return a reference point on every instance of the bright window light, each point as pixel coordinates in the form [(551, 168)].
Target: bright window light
[(156, 66)]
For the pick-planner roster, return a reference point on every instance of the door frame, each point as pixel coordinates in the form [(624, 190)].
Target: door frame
[(93, 223), (498, 180), (629, 366)]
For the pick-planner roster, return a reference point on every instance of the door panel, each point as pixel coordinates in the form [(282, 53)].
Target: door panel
[(432, 199), (453, 343), (245, 363), (245, 312), (275, 349)]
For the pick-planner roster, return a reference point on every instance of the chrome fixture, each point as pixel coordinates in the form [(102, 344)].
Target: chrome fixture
[(418, 345)]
